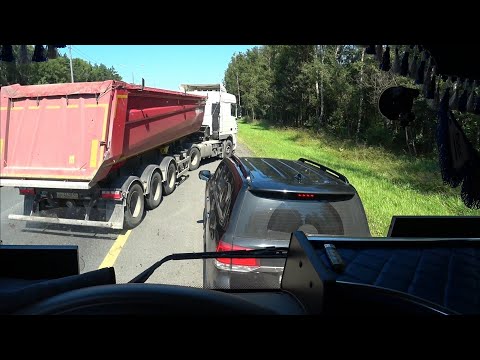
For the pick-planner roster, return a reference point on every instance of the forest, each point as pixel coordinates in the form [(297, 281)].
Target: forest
[(334, 89), (55, 70)]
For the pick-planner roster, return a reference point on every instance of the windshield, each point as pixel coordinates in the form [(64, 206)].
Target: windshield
[(101, 148)]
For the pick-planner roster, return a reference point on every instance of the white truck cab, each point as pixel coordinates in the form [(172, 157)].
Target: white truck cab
[(220, 110)]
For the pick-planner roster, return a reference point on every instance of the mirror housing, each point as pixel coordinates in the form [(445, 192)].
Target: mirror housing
[(204, 175)]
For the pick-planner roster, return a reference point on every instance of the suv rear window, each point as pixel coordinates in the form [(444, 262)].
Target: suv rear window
[(276, 219)]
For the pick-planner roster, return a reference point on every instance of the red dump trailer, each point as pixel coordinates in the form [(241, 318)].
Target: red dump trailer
[(98, 153)]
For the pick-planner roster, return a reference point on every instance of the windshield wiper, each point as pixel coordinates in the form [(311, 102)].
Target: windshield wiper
[(270, 252)]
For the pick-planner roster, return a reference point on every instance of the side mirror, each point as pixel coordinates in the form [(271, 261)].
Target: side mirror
[(204, 175)]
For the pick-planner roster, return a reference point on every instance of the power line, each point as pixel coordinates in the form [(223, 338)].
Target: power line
[(85, 55), (80, 52), (89, 58), (132, 68)]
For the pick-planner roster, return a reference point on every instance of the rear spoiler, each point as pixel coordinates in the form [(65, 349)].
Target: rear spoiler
[(294, 195)]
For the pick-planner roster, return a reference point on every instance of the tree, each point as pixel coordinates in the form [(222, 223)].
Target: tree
[(360, 105), (333, 88), (52, 71)]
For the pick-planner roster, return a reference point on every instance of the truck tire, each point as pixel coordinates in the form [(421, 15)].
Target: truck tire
[(195, 159), (227, 149), (154, 198), (170, 182), (134, 207)]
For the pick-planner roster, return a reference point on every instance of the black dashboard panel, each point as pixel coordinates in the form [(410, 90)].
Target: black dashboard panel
[(380, 276), (436, 273), (38, 262), (155, 299), (435, 226)]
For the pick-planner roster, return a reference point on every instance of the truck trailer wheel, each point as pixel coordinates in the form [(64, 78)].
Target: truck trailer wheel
[(170, 182), (228, 149), (134, 207), (154, 198), (195, 158)]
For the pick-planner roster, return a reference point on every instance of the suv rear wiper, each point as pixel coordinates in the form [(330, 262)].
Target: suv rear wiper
[(270, 252)]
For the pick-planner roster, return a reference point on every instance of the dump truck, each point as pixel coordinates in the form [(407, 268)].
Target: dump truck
[(99, 153)]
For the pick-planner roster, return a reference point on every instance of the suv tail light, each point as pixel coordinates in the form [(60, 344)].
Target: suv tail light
[(26, 191), (235, 264)]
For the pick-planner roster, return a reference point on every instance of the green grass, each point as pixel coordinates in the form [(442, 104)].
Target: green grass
[(388, 184)]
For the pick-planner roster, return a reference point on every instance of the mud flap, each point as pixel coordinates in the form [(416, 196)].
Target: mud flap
[(28, 205), (114, 213)]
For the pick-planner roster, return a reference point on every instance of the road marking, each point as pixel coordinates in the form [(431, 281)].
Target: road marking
[(115, 250)]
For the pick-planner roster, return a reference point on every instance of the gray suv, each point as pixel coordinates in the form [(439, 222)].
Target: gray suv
[(253, 203)]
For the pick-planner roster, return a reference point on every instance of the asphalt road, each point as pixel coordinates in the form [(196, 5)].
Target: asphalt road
[(175, 226)]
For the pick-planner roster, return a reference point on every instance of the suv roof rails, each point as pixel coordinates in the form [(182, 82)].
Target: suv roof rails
[(326, 169), (238, 162)]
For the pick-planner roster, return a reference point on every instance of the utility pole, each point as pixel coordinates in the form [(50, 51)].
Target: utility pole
[(71, 65), (238, 84)]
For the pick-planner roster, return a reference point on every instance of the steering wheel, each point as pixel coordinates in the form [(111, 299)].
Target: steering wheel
[(145, 299)]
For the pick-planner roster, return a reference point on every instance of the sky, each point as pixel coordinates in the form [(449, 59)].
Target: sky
[(162, 66)]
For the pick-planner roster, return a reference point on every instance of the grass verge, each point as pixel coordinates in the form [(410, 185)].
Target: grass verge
[(388, 184)]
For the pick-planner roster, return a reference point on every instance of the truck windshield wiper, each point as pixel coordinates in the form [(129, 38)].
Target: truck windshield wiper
[(270, 252)]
